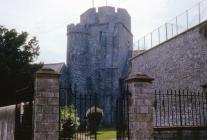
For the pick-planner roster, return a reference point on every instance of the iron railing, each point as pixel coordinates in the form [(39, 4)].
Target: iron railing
[(190, 18), (180, 109), (122, 113)]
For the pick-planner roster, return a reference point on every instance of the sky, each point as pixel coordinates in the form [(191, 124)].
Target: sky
[(48, 19)]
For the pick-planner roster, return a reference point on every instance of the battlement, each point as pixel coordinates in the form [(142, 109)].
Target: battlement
[(104, 15), (106, 10), (72, 28), (123, 12)]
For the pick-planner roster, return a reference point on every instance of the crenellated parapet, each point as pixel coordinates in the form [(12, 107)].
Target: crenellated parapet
[(106, 14), (72, 28), (89, 17)]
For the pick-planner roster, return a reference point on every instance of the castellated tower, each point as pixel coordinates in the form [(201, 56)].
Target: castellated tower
[(97, 54)]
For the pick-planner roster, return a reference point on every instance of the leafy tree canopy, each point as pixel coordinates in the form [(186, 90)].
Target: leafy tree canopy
[(17, 53)]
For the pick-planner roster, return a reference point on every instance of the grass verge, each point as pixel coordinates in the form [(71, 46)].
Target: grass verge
[(106, 134)]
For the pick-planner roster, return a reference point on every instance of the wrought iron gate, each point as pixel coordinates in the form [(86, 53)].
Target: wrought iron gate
[(74, 107), (122, 113)]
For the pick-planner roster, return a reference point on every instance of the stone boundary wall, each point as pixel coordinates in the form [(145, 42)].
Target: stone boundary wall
[(7, 122), (180, 62), (181, 135)]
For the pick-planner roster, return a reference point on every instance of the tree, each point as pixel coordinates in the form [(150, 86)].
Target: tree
[(17, 54)]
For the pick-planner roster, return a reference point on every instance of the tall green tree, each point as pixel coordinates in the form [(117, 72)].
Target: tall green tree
[(17, 53)]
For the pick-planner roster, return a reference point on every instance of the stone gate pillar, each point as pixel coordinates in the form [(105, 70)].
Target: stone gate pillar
[(46, 105), (140, 107)]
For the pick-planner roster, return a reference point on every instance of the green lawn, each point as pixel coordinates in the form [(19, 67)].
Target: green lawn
[(106, 134)]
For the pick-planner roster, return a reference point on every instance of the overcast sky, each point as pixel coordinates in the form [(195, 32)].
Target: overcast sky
[(47, 19)]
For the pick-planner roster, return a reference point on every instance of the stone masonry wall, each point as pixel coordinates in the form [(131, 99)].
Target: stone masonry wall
[(178, 63), (7, 122)]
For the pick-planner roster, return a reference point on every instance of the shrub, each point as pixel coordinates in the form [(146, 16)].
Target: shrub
[(83, 125), (94, 116), (68, 129), (69, 121)]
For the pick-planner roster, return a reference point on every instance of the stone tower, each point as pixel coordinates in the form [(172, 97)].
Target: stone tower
[(97, 53)]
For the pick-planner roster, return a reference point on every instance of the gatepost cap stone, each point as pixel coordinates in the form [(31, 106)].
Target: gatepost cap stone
[(46, 72), (139, 78)]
